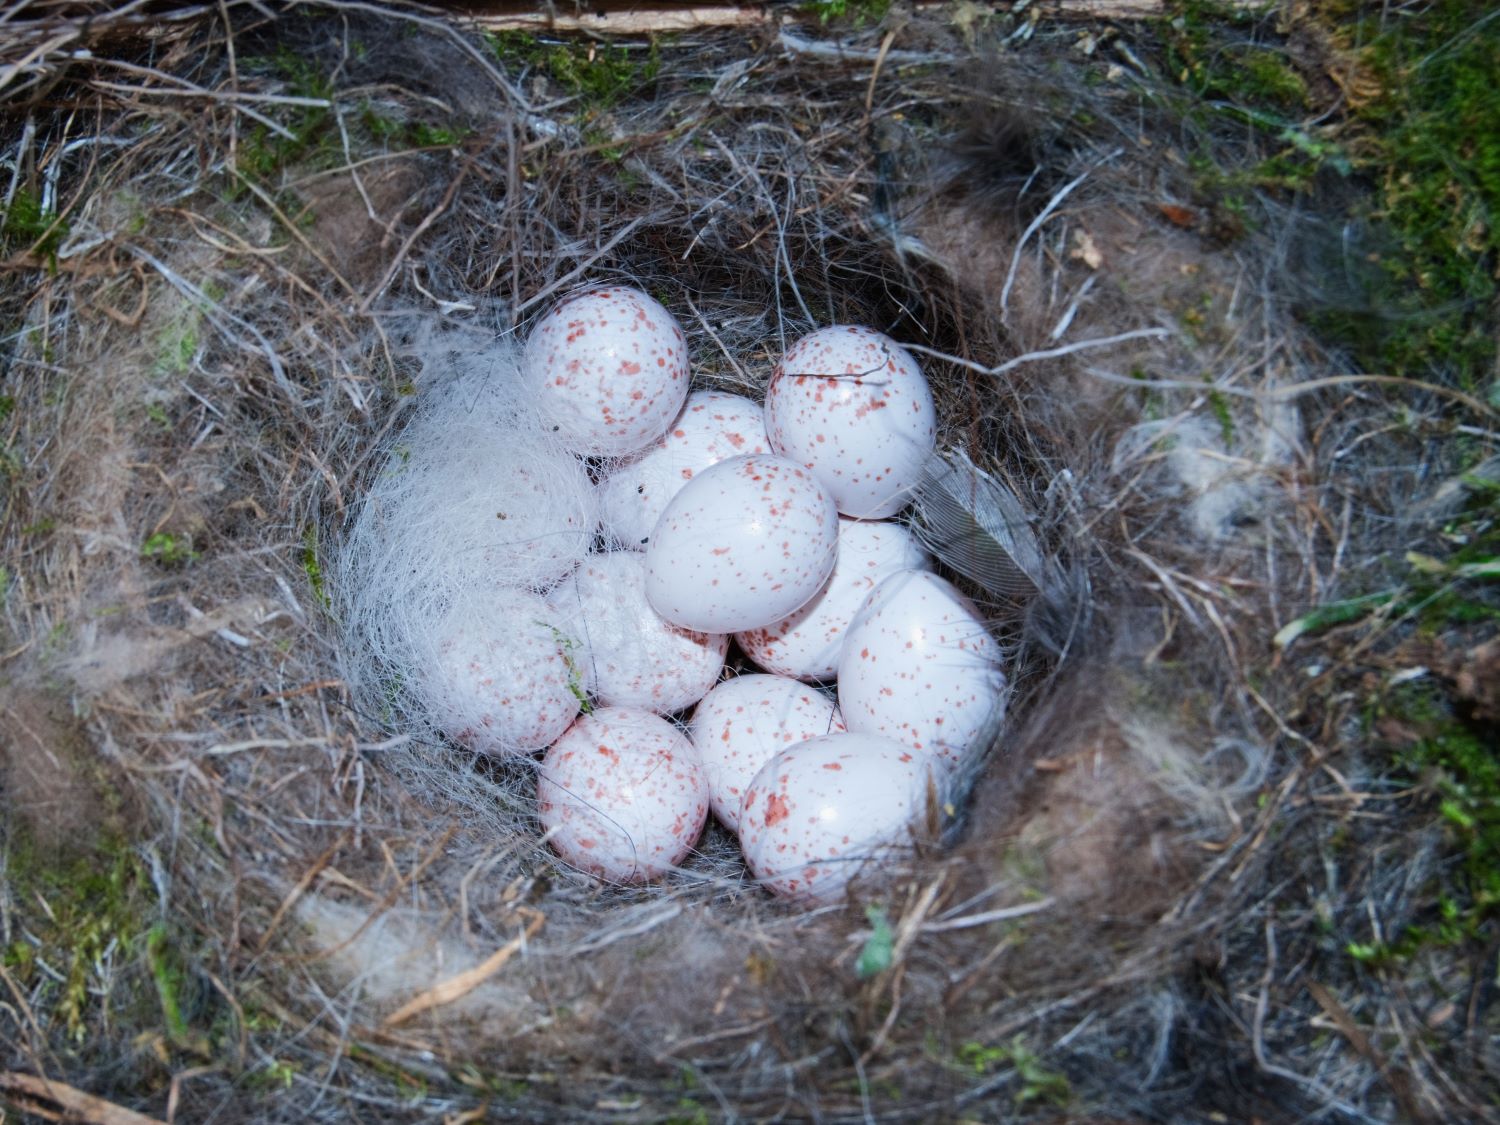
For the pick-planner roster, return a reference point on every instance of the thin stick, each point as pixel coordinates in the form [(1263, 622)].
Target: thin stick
[(1002, 915), (1036, 224), (1296, 390), (461, 984), (880, 57), (297, 891), (1049, 353), (76, 1104), (430, 218), (632, 22)]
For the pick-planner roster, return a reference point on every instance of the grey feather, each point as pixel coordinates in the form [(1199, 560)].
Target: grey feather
[(978, 527)]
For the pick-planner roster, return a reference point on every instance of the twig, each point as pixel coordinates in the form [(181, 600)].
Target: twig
[(620, 236), (391, 896), (427, 221), (823, 48), (1295, 390), (297, 891), (461, 984), (1258, 1046), (880, 57), (1036, 224), (213, 311), (1047, 353), (638, 21), (76, 1104), (1001, 915)]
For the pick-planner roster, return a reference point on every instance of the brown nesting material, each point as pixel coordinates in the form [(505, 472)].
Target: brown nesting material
[(279, 230)]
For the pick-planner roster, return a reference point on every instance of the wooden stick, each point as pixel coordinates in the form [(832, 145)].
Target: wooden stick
[(74, 1103), (636, 20)]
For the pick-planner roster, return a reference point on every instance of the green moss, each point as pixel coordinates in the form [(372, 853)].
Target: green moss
[(309, 136), (1418, 131), (169, 550), (27, 225), (576, 679), (600, 76), (83, 909), (168, 974), (1452, 761), (1219, 404), (1430, 142), (417, 134), (313, 569), (875, 957), (857, 12)]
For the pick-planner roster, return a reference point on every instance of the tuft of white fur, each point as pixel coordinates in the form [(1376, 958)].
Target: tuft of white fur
[(1219, 490), (474, 510), (391, 959)]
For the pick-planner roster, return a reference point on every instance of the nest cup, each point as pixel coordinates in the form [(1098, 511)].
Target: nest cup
[(353, 888)]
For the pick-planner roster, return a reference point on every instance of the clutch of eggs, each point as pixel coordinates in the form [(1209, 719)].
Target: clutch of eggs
[(728, 518)]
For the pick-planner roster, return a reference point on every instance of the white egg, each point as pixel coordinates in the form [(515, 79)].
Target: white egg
[(807, 644), (851, 404), (820, 812), (919, 666), (627, 655), (713, 425), (622, 795), (746, 542), (609, 369), (744, 722), (497, 679)]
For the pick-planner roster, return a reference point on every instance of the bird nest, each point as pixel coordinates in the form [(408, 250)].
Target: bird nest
[(242, 247)]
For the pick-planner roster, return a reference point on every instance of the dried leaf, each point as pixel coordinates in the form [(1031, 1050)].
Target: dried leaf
[(1178, 216), (1085, 251)]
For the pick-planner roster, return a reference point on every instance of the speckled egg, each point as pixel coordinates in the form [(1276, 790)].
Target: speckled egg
[(851, 404), (919, 666), (622, 795), (821, 811), (713, 425), (744, 722), (807, 644), (610, 371), (746, 542), (497, 679), (627, 655)]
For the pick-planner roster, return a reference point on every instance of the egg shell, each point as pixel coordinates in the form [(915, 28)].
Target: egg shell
[(743, 723), (714, 425), (851, 404), (497, 679), (820, 812), (622, 795), (808, 644), (609, 369), (746, 542), (919, 666), (626, 653)]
